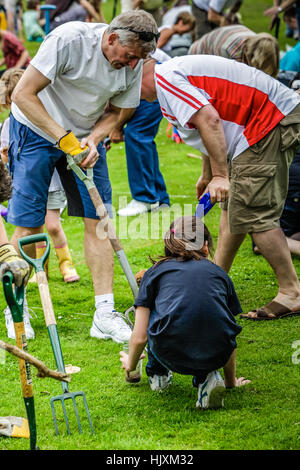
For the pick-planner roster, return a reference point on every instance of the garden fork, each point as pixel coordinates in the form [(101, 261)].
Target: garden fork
[(50, 320)]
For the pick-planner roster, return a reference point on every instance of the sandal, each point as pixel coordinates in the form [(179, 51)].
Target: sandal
[(271, 311)]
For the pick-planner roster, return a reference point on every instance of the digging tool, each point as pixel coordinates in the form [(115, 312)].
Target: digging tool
[(50, 320), (87, 179), (15, 300), (204, 206)]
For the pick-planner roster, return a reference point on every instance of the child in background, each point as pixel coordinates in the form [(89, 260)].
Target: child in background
[(185, 312), (14, 52), (32, 27)]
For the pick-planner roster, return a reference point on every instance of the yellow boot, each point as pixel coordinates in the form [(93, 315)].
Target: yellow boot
[(39, 251), (66, 265)]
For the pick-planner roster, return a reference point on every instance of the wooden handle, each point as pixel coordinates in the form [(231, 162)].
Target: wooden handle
[(45, 298), (104, 218), (25, 374)]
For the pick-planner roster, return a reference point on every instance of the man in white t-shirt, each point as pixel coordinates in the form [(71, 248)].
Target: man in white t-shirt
[(212, 13), (84, 76), (247, 125)]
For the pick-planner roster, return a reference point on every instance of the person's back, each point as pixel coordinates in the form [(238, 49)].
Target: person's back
[(194, 304)]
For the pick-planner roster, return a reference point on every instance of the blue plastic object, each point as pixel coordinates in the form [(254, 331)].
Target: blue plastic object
[(46, 9), (3, 211), (204, 206)]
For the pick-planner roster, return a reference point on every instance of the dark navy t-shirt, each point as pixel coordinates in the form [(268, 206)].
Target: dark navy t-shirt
[(192, 326)]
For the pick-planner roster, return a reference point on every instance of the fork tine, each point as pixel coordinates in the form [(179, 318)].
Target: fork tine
[(87, 412), (76, 412), (62, 399)]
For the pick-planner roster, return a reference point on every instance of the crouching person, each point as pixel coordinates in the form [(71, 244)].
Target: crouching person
[(185, 312)]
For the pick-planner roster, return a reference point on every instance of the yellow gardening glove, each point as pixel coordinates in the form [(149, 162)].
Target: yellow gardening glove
[(11, 261), (71, 145)]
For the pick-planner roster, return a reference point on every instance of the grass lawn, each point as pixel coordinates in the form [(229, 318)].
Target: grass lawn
[(263, 415)]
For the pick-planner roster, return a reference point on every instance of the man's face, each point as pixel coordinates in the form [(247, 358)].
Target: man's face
[(120, 56)]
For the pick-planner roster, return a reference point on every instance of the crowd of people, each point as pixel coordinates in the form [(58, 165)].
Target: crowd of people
[(225, 90)]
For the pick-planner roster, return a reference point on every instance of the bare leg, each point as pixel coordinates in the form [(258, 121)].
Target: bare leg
[(273, 246), (228, 244), (294, 243), (99, 257), (54, 227), (24, 232)]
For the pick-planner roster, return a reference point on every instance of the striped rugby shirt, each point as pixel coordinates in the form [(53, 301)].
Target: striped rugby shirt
[(250, 103), (227, 41)]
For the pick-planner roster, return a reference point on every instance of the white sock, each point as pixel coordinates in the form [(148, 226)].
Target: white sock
[(104, 303)]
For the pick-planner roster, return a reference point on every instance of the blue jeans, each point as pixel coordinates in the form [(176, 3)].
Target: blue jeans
[(155, 367), (145, 179), (32, 160)]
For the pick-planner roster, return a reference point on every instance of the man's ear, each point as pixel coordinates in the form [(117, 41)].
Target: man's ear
[(112, 38)]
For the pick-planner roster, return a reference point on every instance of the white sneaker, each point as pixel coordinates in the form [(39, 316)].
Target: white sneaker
[(137, 207), (110, 326), (211, 392), (160, 382), (9, 323)]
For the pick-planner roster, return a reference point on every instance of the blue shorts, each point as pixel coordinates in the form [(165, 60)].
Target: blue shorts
[(32, 160)]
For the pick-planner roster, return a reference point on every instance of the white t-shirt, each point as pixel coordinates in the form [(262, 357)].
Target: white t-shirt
[(55, 183), (4, 136), (217, 5), (82, 79), (250, 103)]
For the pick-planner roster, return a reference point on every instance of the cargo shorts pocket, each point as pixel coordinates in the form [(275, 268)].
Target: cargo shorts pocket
[(254, 185), (290, 130)]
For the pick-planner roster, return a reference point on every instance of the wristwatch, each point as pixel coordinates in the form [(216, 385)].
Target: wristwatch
[(279, 9)]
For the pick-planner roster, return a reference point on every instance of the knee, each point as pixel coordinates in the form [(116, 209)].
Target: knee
[(26, 231)]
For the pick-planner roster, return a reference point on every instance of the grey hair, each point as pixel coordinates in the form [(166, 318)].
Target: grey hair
[(138, 20)]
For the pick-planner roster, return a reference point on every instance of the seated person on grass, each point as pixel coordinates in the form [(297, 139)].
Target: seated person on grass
[(185, 312), (14, 53)]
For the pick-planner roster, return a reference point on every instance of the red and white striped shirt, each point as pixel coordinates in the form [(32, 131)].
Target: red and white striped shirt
[(250, 103)]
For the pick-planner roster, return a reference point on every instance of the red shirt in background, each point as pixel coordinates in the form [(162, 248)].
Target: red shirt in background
[(12, 49)]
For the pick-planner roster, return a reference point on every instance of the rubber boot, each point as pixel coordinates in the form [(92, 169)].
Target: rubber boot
[(66, 265), (39, 251)]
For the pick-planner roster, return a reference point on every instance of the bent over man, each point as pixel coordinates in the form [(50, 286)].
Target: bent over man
[(247, 125), (74, 88)]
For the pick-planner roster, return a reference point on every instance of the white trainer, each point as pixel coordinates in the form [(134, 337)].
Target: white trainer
[(211, 393), (110, 326), (9, 323), (137, 207), (160, 382)]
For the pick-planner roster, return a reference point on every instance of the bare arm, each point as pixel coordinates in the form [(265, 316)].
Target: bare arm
[(138, 340), (205, 178), (97, 16), (116, 135), (25, 95), (274, 10), (3, 235), (209, 125), (230, 373), (165, 37)]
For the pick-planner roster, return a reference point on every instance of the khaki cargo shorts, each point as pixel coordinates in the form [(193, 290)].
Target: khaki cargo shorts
[(259, 178)]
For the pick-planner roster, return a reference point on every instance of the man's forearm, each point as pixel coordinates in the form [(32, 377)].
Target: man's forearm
[(105, 124)]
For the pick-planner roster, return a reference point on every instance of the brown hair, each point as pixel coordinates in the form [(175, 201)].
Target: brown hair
[(186, 18), (10, 79), (262, 51), (185, 240)]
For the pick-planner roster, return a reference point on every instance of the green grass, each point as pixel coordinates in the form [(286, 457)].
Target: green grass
[(263, 415)]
